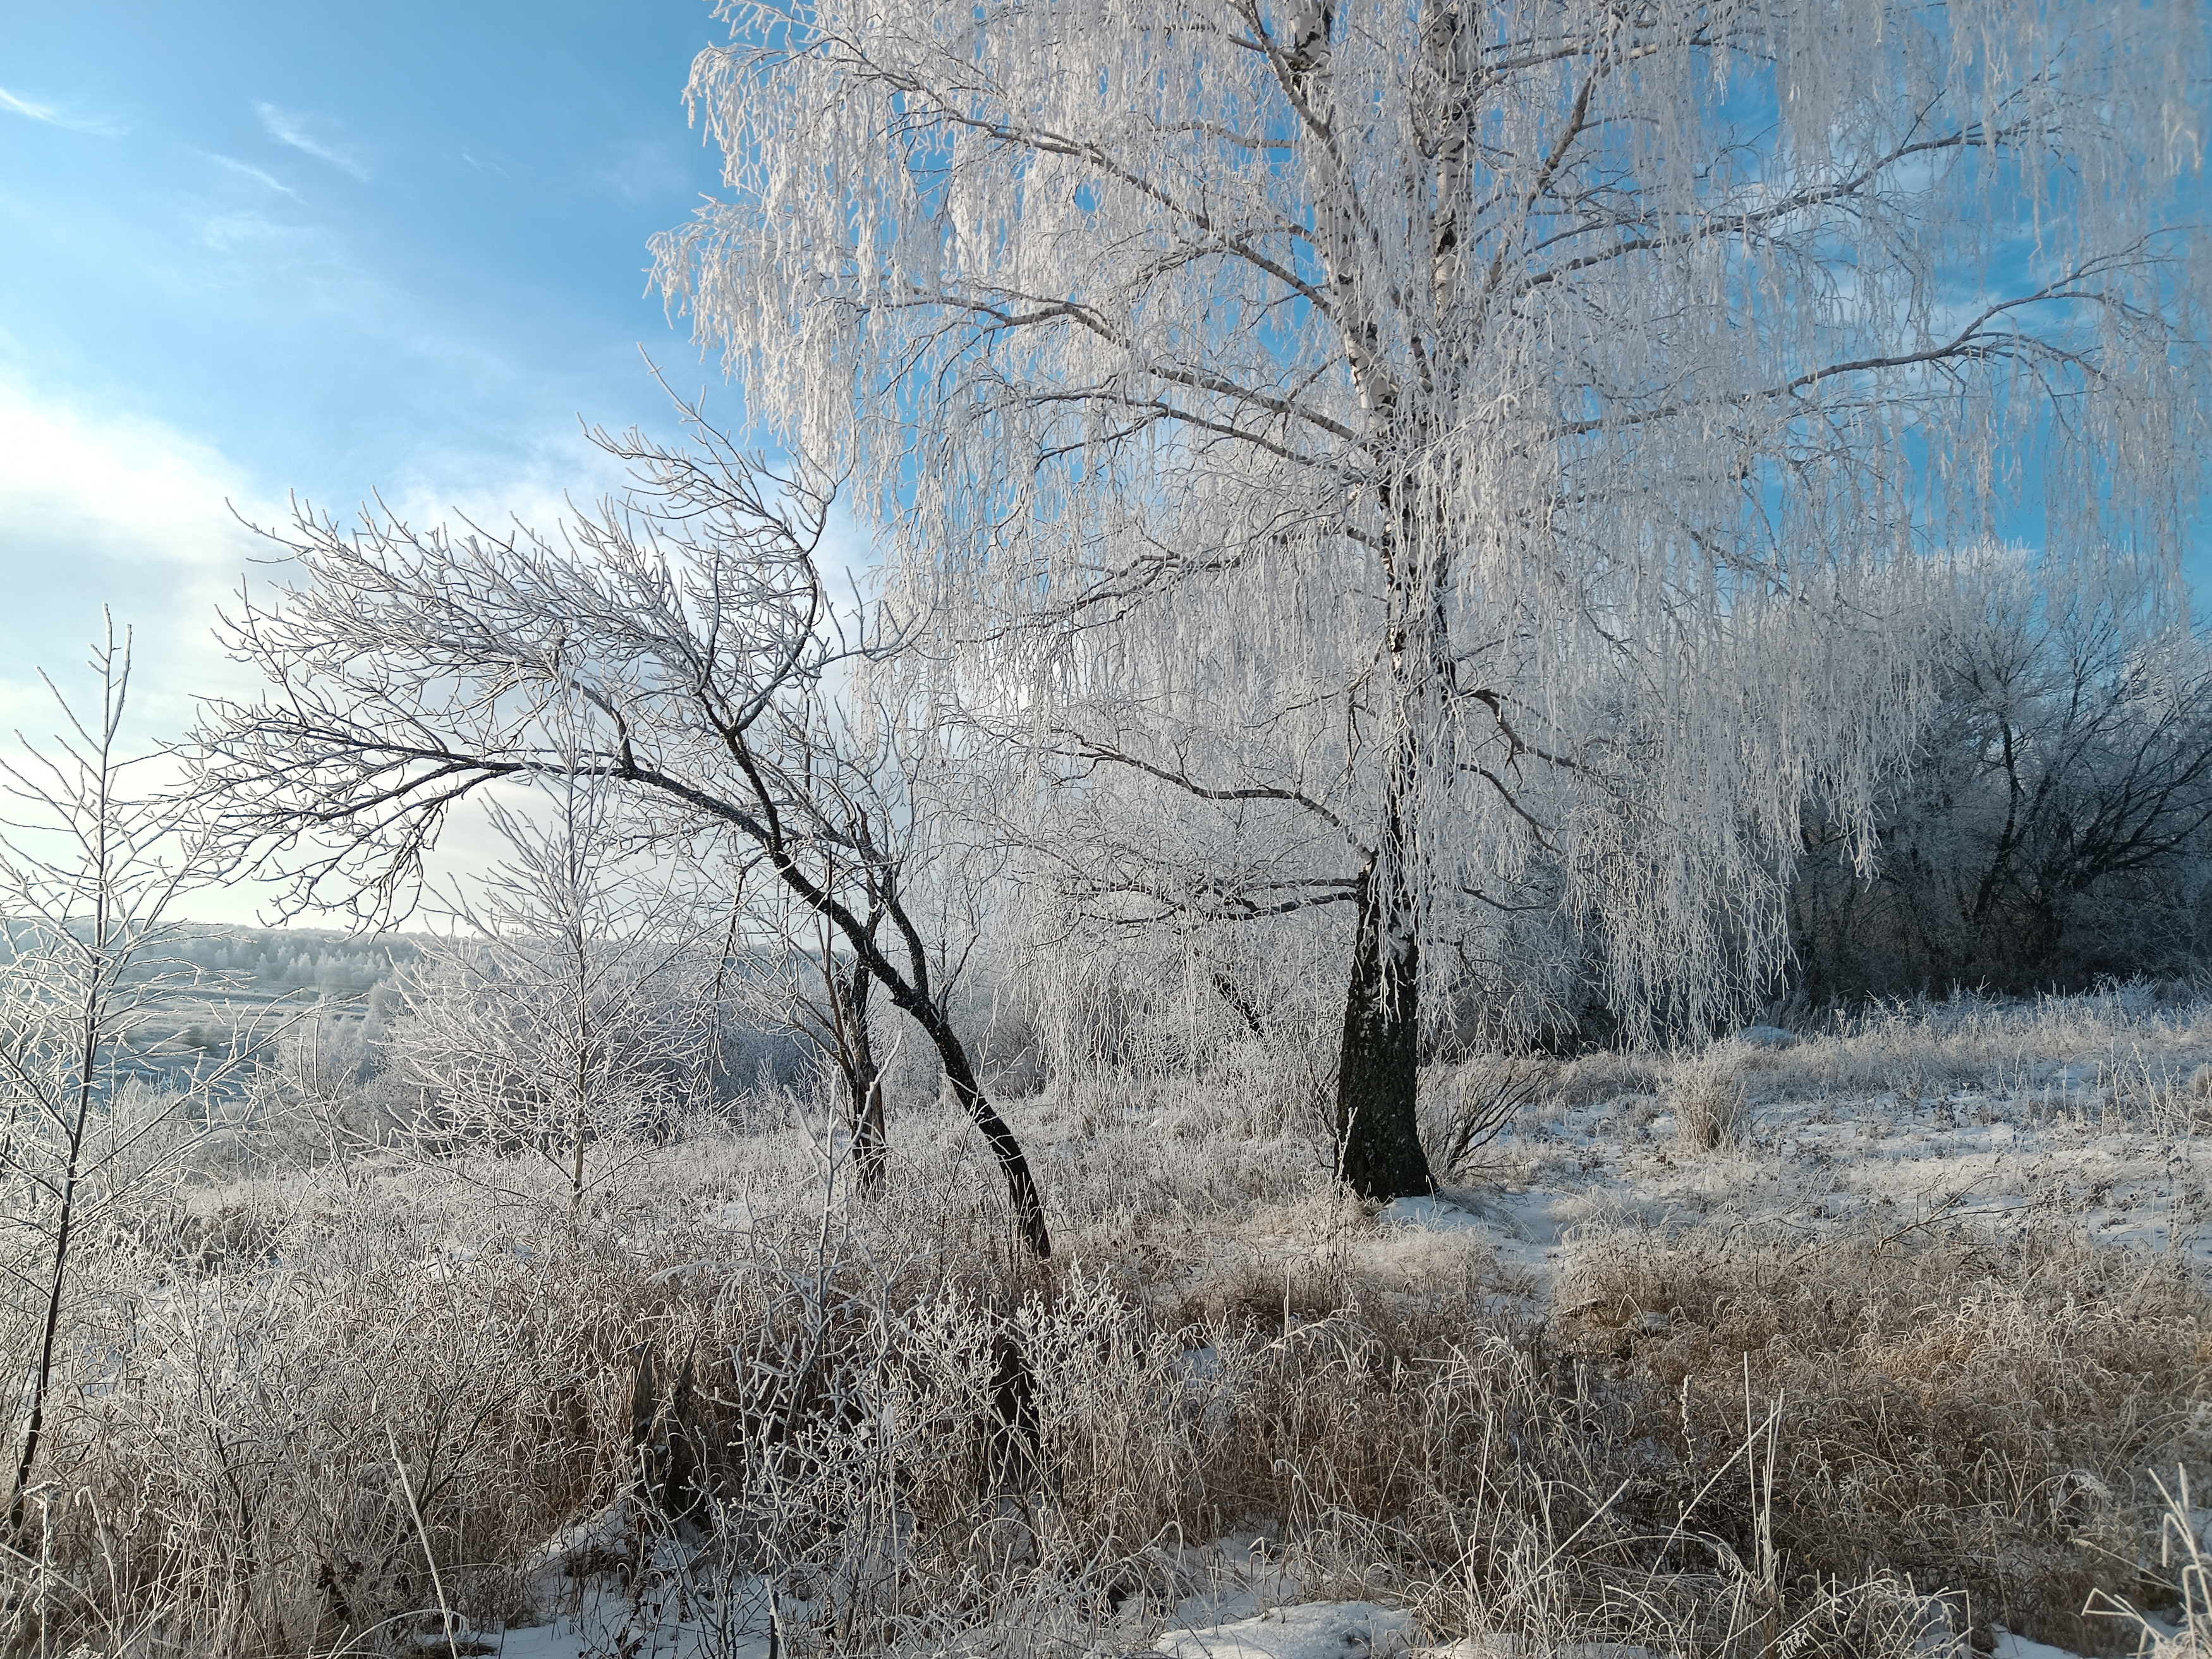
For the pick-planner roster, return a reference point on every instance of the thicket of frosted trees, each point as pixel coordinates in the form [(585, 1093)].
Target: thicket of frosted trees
[(1402, 527), (1472, 516)]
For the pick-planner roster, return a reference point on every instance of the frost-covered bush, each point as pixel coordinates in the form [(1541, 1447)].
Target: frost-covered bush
[(2053, 826), (576, 1011), (904, 1433), (1467, 1106)]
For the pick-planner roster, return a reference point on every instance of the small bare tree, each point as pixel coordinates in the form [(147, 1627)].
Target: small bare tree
[(678, 647), (90, 866), (807, 985), (925, 817), (574, 1008)]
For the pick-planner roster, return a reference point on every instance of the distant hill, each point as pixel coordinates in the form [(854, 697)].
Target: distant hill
[(278, 961)]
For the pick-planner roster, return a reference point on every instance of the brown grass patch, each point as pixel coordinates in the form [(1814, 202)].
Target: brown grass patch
[(1978, 1411)]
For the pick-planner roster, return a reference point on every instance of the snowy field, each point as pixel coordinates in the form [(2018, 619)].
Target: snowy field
[(2082, 1110)]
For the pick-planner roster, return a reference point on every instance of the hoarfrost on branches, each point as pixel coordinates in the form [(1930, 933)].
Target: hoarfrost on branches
[(678, 648), (1462, 379)]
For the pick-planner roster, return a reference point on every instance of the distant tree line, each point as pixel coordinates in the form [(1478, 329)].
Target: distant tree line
[(270, 958)]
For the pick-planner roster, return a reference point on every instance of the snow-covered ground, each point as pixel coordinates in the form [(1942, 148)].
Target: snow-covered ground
[(1966, 1156), (2089, 1109)]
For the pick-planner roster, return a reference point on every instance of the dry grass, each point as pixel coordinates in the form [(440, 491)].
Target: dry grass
[(899, 1435), (2137, 1056), (1976, 1410), (2082, 1056), (1705, 1093)]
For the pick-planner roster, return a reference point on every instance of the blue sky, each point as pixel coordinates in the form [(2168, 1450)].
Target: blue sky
[(251, 248), (247, 248)]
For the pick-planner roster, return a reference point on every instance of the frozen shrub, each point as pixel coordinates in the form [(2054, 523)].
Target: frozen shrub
[(1705, 1093), (891, 1424), (1468, 1106)]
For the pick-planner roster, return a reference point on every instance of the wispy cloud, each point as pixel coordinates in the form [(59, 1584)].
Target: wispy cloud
[(287, 128), (494, 165), (266, 180), (46, 114), (226, 233), (642, 172)]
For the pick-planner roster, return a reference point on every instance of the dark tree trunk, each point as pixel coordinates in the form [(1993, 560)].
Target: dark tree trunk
[(910, 992), (912, 999), (42, 1369), (1378, 1131), (1378, 1134), (910, 995), (1021, 1186), (1233, 995), (864, 1082), (1379, 1153)]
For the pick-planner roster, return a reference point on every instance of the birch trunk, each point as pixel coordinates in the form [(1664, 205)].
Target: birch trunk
[(1377, 1124), (1378, 1136)]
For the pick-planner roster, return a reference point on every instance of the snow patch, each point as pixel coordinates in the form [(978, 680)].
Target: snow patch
[(1438, 1212), (2011, 1646), (1317, 1629), (1766, 1036)]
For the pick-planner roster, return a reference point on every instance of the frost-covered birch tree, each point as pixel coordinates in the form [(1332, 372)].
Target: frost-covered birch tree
[(1455, 349)]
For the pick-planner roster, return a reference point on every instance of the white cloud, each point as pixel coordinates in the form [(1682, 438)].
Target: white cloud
[(140, 487), (49, 116), (121, 510), (98, 505), (287, 128), (105, 508), (498, 167)]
